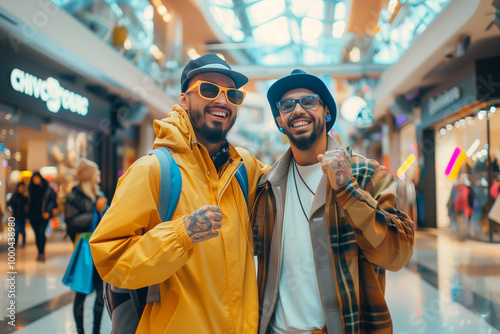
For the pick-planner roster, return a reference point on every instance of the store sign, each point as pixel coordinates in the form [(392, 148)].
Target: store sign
[(49, 91), (443, 100)]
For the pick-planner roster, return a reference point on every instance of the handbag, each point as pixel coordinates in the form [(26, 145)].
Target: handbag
[(80, 271), (494, 213)]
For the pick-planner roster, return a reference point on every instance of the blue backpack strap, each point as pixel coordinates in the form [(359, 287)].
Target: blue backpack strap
[(242, 177), (170, 183), (122, 320)]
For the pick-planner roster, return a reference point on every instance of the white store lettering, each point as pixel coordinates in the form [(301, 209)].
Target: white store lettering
[(49, 91)]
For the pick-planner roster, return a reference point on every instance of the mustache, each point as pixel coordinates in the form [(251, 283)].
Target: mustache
[(293, 118), (208, 108)]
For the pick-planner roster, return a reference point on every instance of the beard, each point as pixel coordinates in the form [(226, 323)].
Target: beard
[(213, 134), (304, 143)]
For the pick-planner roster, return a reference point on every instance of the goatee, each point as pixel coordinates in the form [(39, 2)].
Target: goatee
[(304, 143), (213, 134)]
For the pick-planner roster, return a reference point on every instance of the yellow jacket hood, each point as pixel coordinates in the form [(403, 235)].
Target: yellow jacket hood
[(174, 131)]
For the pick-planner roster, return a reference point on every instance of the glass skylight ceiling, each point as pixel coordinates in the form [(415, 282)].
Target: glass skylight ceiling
[(313, 32)]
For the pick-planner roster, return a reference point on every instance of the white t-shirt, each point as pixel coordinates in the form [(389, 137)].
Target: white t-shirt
[(298, 307)]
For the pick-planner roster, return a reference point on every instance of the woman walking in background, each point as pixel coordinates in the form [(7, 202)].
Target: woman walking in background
[(79, 213), (42, 200), (18, 203)]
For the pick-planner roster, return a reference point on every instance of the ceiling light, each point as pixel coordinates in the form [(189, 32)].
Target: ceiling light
[(127, 44), (192, 53), (156, 52), (167, 17), (449, 127), (355, 55), (162, 10)]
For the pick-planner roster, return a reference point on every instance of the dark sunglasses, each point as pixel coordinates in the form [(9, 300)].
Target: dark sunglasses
[(306, 102), (211, 91)]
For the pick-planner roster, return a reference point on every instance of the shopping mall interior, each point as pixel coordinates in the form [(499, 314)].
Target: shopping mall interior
[(416, 84)]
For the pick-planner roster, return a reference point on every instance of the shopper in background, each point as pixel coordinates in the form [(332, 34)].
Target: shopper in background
[(202, 258), (78, 214), (42, 201), (19, 203), (326, 224)]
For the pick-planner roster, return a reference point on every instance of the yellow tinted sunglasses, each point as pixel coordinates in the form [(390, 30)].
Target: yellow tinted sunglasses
[(211, 91)]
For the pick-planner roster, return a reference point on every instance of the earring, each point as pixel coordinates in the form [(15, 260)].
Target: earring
[(281, 129), (328, 118)]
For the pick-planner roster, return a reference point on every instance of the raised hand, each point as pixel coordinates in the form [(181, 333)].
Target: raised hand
[(336, 165), (204, 223)]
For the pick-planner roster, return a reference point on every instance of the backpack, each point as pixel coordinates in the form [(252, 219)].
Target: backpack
[(125, 306)]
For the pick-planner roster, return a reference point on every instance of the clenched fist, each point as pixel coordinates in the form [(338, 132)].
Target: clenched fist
[(204, 223), (337, 166)]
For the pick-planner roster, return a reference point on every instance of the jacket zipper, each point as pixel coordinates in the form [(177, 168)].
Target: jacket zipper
[(229, 180)]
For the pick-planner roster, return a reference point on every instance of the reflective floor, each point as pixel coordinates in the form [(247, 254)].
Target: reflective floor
[(449, 286)]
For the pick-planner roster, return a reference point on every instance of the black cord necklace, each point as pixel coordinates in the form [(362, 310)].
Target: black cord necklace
[(297, 188), (304, 182)]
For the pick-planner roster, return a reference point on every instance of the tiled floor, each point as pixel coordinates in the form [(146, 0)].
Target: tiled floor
[(449, 286), (43, 304)]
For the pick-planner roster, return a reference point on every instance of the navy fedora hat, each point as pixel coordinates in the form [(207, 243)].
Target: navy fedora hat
[(210, 63), (300, 79)]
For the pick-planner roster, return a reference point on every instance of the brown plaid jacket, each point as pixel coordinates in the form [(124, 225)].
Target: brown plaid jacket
[(368, 235)]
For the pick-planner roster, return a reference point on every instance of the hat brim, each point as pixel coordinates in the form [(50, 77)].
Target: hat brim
[(302, 80), (238, 78)]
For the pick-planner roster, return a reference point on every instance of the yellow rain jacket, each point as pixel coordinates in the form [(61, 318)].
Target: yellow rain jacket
[(208, 287)]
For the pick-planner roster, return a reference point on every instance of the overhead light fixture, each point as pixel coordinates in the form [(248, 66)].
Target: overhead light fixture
[(127, 44), (167, 17), (162, 10), (192, 53), (355, 55), (156, 52)]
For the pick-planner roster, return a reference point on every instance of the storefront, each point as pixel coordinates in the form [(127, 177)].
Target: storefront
[(459, 140), (50, 117)]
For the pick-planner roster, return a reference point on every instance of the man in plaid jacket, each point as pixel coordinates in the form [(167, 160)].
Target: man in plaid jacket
[(326, 225)]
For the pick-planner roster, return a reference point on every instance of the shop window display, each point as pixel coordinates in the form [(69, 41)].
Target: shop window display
[(463, 200)]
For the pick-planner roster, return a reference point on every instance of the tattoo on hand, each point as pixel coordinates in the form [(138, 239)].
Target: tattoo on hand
[(342, 173), (199, 223)]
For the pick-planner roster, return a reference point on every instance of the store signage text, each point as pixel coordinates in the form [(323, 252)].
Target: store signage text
[(443, 100), (49, 91)]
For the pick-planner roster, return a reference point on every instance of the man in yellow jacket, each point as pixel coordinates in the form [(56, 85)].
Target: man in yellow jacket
[(202, 258)]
